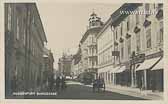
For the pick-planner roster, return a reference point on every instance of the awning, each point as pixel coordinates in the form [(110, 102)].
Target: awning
[(113, 70), (104, 69), (121, 69), (159, 65), (147, 64)]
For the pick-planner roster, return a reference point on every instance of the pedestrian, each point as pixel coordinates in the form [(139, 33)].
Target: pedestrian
[(51, 82), (14, 84), (153, 85), (103, 83), (58, 83), (63, 84)]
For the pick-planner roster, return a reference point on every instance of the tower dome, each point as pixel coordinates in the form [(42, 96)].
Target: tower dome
[(94, 21)]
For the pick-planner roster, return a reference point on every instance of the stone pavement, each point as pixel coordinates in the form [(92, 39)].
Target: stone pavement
[(146, 94)]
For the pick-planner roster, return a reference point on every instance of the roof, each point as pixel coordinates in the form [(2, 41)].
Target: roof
[(95, 29), (117, 17), (44, 38)]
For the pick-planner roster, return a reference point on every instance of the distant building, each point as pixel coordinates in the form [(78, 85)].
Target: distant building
[(24, 42), (64, 65), (76, 63), (89, 45)]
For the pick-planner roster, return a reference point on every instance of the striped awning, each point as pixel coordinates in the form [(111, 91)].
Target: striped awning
[(113, 70), (159, 65), (147, 64), (121, 69), (104, 69)]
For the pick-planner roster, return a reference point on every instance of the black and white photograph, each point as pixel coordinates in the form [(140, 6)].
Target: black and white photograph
[(84, 51)]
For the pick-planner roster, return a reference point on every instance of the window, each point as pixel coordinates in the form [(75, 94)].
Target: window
[(24, 36), (147, 10), (148, 38), (16, 71), (33, 21), (117, 57), (93, 24), (9, 17), (116, 34), (129, 46), (154, 6), (137, 18), (147, 7), (17, 31), (138, 45), (128, 24), (160, 5), (122, 51), (121, 28), (160, 37)]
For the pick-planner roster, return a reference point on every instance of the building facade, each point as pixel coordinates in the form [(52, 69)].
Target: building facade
[(48, 67), (24, 42), (76, 62), (130, 47), (89, 45), (64, 65)]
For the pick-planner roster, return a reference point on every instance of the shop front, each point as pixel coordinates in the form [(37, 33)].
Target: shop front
[(145, 76), (157, 76), (121, 75), (105, 73)]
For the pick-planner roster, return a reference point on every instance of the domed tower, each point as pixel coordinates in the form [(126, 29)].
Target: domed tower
[(94, 21)]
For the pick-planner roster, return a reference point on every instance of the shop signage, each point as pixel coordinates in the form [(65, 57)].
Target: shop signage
[(138, 59), (115, 53)]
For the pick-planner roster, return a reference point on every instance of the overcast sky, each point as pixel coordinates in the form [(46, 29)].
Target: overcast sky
[(65, 23)]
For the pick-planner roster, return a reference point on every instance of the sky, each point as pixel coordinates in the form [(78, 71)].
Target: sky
[(65, 23)]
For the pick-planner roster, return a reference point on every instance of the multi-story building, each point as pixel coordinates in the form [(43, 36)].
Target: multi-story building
[(76, 61), (24, 42), (130, 46), (89, 45), (64, 65)]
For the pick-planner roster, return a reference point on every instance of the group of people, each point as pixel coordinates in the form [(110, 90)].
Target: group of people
[(57, 84), (98, 83)]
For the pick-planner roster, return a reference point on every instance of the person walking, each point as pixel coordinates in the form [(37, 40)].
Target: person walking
[(51, 82), (63, 84)]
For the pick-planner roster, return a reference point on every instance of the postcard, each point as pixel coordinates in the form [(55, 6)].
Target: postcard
[(83, 51)]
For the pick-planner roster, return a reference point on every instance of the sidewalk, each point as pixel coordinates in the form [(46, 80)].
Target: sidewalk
[(146, 94)]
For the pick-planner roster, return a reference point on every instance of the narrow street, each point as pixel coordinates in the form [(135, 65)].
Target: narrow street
[(76, 90)]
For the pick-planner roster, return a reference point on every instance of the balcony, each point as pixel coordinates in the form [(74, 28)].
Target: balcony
[(92, 55), (92, 67), (91, 44)]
